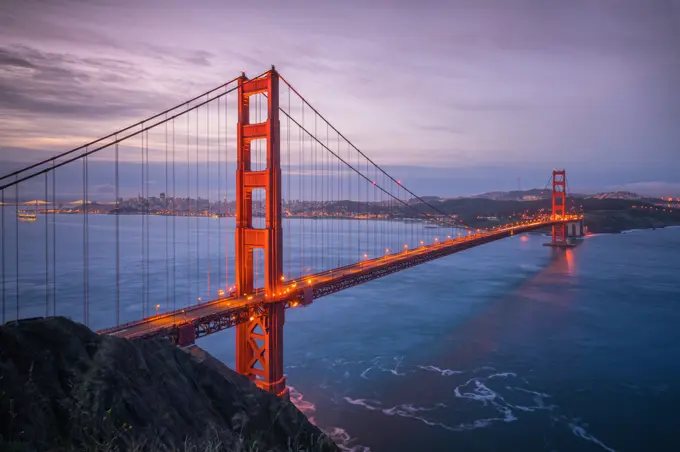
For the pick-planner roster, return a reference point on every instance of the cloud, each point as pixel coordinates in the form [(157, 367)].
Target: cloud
[(54, 84)]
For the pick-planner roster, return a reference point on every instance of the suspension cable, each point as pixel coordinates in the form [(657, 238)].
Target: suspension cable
[(359, 151), (375, 184)]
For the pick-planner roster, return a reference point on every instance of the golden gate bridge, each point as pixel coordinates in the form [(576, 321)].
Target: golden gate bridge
[(272, 144)]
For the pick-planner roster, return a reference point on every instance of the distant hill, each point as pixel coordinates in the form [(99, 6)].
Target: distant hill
[(617, 195)]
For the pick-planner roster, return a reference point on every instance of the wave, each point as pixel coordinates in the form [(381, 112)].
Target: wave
[(307, 408), (581, 432), (442, 372), (365, 372), (344, 441), (378, 366), (363, 403), (502, 375), (337, 434), (480, 389)]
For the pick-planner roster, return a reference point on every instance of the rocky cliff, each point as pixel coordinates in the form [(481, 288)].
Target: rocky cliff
[(63, 387)]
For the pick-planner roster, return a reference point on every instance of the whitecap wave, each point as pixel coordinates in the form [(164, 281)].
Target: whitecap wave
[(443, 372), (582, 433), (307, 408), (502, 375), (365, 372), (344, 441), (337, 434), (371, 405)]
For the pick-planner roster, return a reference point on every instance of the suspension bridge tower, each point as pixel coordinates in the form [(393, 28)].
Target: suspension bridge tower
[(259, 341), (559, 210)]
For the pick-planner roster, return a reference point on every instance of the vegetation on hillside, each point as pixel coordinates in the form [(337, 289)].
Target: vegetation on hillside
[(63, 387)]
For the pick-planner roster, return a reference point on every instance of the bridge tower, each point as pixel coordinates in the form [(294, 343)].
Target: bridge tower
[(559, 209), (259, 341), (559, 204)]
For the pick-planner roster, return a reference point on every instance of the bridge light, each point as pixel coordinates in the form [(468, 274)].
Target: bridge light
[(157, 307), (252, 318), (283, 278), (309, 281)]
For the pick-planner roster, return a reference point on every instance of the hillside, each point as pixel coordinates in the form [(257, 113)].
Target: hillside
[(601, 215), (63, 387)]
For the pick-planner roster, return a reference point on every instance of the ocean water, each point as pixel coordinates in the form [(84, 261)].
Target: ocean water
[(509, 346)]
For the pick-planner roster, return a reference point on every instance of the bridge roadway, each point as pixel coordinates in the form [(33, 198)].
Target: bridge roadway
[(219, 314)]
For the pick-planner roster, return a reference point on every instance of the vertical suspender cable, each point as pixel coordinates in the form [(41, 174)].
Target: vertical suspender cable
[(117, 190), (207, 167), (341, 223), (86, 239), (47, 255), (167, 220), (288, 267), (189, 211), (219, 197), (301, 194), (197, 222), (2, 258), (174, 226), (142, 199), (226, 191), (16, 221), (146, 231), (54, 239)]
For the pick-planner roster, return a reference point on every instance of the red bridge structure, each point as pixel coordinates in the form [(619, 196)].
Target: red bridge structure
[(312, 215)]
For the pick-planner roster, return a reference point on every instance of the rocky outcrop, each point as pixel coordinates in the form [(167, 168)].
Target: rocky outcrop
[(63, 387)]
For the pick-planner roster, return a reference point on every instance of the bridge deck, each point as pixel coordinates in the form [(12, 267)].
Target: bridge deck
[(222, 313)]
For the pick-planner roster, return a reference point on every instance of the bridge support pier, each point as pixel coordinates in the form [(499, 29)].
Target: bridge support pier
[(259, 341), (186, 335), (575, 229)]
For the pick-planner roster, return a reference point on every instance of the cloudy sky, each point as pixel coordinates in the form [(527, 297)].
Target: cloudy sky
[(453, 97)]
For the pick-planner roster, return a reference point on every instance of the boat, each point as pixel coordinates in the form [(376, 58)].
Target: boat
[(27, 216)]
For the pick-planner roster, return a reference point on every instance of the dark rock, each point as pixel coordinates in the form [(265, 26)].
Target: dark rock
[(64, 387)]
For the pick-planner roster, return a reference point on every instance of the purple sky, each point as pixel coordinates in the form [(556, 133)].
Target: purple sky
[(454, 97)]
